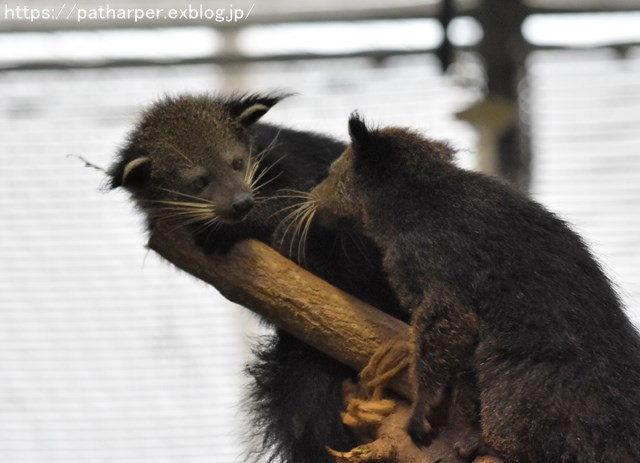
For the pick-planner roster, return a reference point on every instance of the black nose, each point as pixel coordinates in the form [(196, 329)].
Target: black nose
[(242, 203)]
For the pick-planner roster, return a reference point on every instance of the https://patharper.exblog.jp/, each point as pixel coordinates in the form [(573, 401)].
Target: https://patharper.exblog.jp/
[(77, 13)]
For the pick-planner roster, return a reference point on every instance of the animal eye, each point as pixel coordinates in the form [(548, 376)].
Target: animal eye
[(199, 184), (237, 164)]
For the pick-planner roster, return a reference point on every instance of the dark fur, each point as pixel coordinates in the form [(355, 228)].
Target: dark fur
[(490, 275), (296, 395)]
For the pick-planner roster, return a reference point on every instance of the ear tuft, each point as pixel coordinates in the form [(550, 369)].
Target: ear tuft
[(367, 144), (136, 173), (252, 114), (358, 130), (248, 109)]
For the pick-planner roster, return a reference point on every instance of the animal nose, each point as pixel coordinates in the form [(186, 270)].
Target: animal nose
[(242, 203)]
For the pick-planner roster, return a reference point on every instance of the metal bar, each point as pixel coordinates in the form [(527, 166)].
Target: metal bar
[(582, 6), (222, 60), (218, 60)]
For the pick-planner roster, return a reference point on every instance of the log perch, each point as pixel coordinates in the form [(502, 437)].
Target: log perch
[(257, 277)]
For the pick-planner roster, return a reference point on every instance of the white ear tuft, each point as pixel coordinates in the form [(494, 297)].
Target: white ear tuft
[(137, 171), (252, 114)]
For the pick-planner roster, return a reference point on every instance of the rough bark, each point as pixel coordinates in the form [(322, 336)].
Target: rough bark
[(255, 276)]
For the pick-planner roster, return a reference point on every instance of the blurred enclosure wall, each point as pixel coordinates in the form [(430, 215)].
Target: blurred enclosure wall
[(108, 354)]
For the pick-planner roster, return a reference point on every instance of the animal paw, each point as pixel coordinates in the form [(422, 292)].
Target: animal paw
[(365, 413), (471, 448), (387, 362), (420, 430), (467, 448)]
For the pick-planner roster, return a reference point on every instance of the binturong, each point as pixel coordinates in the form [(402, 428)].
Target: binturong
[(189, 159), (495, 281), (208, 163)]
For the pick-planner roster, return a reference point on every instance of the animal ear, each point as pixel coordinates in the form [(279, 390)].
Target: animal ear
[(134, 173), (365, 142), (249, 109), (358, 130), (252, 114)]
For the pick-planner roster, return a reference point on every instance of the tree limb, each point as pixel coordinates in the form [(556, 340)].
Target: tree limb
[(257, 277)]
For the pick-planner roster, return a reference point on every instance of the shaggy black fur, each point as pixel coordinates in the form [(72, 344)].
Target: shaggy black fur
[(490, 273), (296, 397)]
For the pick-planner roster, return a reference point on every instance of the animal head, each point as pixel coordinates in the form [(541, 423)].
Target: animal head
[(377, 164), (189, 158)]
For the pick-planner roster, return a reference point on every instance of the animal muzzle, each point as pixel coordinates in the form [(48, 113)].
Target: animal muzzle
[(241, 205)]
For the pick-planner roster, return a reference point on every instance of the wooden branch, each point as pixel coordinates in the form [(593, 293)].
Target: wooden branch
[(255, 276)]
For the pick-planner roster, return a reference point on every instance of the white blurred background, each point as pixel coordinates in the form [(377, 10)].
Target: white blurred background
[(109, 354)]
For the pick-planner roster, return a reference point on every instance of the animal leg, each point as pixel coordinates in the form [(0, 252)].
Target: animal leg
[(445, 332)]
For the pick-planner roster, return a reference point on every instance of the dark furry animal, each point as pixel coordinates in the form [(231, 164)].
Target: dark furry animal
[(205, 162), (490, 275)]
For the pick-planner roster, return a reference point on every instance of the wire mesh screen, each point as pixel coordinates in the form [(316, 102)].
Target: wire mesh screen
[(106, 352), (585, 108), (109, 354)]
